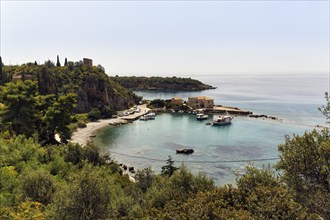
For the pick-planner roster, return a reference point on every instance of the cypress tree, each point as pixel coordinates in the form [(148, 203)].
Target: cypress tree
[(65, 62), (35, 63), (58, 61)]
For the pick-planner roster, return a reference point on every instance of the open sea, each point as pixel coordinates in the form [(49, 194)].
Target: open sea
[(222, 151)]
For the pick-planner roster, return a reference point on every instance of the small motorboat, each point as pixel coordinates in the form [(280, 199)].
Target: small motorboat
[(201, 116), (222, 120), (185, 151), (142, 118), (149, 116)]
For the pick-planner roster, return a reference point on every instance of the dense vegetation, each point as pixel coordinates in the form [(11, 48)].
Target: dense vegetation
[(160, 104), (27, 112), (161, 83), (71, 182), (40, 180)]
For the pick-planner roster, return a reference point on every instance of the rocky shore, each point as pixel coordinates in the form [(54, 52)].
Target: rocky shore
[(264, 117)]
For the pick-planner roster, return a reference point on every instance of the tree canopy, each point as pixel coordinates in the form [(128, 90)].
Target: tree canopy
[(29, 113)]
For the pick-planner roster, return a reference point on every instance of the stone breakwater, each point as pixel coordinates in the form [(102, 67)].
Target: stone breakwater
[(229, 110), (237, 111), (264, 117)]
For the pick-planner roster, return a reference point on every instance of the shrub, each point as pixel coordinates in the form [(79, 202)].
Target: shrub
[(94, 114)]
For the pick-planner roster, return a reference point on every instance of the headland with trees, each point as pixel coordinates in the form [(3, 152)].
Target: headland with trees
[(161, 83)]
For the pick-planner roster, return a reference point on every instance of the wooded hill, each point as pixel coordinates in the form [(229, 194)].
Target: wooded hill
[(161, 83), (93, 87)]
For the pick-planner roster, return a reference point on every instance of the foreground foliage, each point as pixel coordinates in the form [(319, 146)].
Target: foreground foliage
[(305, 161), (71, 182)]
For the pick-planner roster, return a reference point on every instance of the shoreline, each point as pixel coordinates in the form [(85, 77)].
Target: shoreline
[(82, 135)]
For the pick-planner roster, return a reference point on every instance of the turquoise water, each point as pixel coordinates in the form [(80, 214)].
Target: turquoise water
[(148, 143)]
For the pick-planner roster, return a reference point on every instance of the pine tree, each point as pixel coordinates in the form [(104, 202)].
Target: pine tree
[(325, 109), (169, 168), (58, 61)]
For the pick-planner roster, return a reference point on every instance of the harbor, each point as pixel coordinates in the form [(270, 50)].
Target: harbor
[(148, 143), (250, 136)]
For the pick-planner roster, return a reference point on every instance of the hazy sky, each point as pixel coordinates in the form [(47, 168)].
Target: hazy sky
[(171, 37)]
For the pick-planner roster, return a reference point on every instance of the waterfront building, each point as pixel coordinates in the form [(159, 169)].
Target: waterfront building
[(201, 102), (177, 101)]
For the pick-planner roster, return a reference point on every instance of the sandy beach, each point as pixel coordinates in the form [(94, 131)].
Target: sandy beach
[(82, 135)]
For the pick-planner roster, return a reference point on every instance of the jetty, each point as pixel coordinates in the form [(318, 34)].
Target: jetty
[(230, 110), (132, 117)]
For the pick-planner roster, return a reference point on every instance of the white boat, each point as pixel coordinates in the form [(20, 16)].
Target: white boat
[(148, 116), (222, 120), (142, 118), (201, 116)]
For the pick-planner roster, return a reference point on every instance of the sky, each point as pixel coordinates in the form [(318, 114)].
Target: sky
[(170, 37)]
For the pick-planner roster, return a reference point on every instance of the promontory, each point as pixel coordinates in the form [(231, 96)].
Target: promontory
[(161, 83)]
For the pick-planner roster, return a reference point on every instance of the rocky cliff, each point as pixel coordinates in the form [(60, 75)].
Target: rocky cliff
[(94, 88), (97, 90)]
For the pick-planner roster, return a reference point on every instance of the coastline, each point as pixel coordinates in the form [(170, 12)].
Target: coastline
[(82, 135)]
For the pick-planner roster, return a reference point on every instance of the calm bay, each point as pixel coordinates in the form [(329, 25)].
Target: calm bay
[(220, 151)]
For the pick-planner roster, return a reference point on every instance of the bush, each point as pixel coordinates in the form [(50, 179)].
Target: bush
[(107, 112), (81, 124), (38, 185), (92, 154), (87, 196), (94, 114)]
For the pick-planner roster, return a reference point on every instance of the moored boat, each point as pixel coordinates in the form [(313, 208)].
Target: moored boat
[(143, 118), (148, 116), (185, 151), (201, 116), (222, 120)]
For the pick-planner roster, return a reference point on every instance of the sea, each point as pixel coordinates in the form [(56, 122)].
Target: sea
[(223, 152)]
